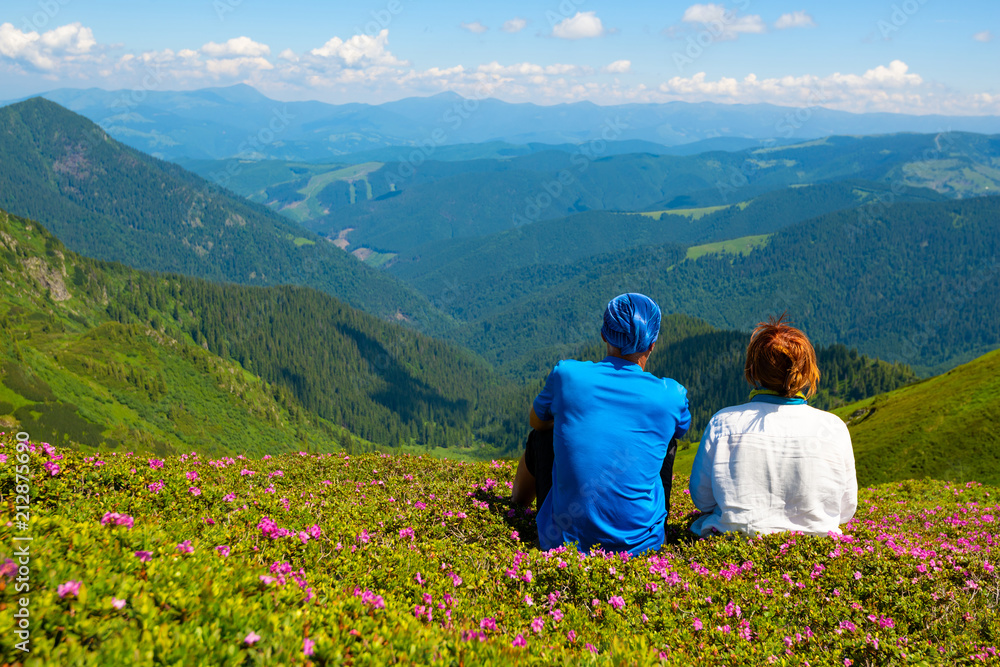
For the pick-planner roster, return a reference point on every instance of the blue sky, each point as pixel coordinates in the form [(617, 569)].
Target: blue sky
[(914, 56)]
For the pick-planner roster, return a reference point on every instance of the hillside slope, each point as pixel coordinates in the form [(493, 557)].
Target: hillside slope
[(568, 240), (911, 282), (437, 200), (944, 427), (98, 354), (111, 202)]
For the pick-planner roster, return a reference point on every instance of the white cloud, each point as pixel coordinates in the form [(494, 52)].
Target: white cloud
[(723, 24), (360, 50), (235, 66), (514, 25), (238, 46), (474, 27), (795, 20), (984, 36), (883, 88), (49, 50), (619, 67), (581, 26)]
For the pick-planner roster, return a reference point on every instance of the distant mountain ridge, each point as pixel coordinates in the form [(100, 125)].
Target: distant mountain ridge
[(220, 123)]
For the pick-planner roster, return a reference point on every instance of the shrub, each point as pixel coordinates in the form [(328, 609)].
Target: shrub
[(379, 559)]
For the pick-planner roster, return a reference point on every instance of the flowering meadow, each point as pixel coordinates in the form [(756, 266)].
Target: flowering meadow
[(377, 559)]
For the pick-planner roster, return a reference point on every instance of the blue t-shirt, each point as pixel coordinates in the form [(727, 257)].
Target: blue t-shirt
[(613, 424)]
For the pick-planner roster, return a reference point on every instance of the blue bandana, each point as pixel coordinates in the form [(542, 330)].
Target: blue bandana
[(631, 322)]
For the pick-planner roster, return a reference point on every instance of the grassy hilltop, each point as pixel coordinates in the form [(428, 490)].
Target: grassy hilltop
[(332, 559), (944, 427)]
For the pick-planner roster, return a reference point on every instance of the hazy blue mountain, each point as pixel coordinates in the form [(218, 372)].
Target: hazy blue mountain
[(220, 123)]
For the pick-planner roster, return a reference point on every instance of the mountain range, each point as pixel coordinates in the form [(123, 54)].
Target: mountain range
[(238, 121), (108, 201)]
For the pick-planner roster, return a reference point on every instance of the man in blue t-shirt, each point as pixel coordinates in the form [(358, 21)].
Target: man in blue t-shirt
[(613, 424)]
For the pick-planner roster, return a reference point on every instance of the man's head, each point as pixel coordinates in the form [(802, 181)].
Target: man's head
[(631, 324)]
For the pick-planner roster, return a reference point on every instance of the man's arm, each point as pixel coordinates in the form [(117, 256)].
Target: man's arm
[(523, 492), (537, 423)]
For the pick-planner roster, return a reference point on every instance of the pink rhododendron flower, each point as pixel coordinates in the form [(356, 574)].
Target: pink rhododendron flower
[(308, 646), (185, 547), (698, 625), (116, 519), (518, 641), (8, 569), (69, 588), (616, 601), (251, 639), (488, 623), (156, 487), (223, 549), (155, 463), (53, 468), (144, 556), (537, 624), (117, 604), (194, 491), (191, 475), (229, 497)]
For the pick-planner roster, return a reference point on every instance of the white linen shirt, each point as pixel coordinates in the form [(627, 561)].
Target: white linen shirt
[(766, 468)]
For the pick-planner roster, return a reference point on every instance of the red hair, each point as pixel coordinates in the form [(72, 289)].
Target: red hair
[(782, 359)]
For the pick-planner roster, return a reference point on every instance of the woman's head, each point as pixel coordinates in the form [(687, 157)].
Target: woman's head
[(782, 359)]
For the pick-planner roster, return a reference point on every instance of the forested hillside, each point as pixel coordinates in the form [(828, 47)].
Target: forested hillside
[(435, 200), (110, 202), (97, 353), (909, 282), (568, 240), (100, 354)]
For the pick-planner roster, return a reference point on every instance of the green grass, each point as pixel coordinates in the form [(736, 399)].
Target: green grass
[(693, 213), (741, 246), (943, 428), (178, 562)]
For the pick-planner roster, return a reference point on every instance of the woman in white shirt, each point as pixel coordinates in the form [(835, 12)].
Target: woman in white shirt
[(775, 463)]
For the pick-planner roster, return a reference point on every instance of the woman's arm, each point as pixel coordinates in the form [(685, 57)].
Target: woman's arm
[(523, 492), (700, 485)]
